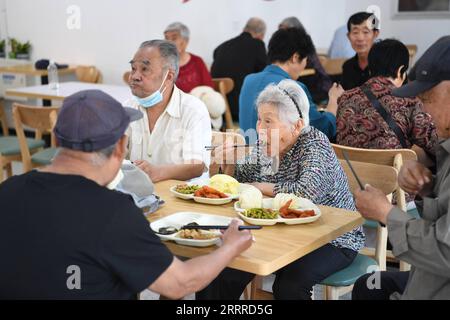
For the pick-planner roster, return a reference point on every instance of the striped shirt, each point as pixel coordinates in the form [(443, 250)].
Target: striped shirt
[(310, 170)]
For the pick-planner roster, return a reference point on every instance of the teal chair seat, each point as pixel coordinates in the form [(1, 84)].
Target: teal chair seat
[(9, 146), (348, 276), (44, 157)]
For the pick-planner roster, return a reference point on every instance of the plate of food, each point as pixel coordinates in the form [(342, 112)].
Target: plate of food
[(170, 228), (221, 183), (284, 208)]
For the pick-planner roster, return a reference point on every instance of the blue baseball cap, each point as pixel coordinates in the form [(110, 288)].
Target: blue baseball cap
[(92, 120)]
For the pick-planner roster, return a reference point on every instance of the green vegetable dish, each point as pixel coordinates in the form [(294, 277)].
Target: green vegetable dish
[(187, 189), (261, 214)]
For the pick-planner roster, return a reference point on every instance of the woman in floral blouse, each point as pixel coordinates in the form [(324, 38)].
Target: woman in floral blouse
[(291, 157), (359, 125)]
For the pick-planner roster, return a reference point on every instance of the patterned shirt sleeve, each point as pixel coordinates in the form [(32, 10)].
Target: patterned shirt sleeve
[(423, 131)]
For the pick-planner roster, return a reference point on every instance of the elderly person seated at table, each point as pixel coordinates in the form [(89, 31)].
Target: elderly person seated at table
[(193, 71), (169, 141), (291, 157)]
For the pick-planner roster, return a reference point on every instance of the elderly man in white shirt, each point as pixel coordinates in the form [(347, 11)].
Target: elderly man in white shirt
[(169, 142)]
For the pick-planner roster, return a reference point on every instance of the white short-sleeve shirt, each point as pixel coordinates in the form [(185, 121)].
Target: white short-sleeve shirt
[(180, 134)]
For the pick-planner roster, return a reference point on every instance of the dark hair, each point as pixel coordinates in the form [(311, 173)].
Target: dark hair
[(360, 18), (386, 57), (286, 42)]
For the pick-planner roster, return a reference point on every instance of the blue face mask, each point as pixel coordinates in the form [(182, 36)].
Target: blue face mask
[(153, 99)]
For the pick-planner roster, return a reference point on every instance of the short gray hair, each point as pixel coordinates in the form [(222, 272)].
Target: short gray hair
[(285, 96), (168, 52), (179, 27), (255, 25), (292, 22)]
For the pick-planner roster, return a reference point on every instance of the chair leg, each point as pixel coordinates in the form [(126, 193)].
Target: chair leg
[(248, 291), (324, 292), (2, 177), (9, 170), (332, 293)]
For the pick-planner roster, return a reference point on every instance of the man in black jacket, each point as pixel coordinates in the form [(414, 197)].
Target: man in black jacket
[(240, 56)]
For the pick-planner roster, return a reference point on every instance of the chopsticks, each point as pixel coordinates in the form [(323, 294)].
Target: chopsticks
[(211, 148), (357, 178), (220, 227), (353, 170)]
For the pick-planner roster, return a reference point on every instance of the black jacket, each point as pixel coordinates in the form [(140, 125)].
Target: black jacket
[(235, 59)]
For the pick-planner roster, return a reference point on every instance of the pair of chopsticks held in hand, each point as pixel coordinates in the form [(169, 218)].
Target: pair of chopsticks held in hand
[(356, 177)]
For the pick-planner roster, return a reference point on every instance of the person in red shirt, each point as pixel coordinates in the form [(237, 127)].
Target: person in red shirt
[(193, 71)]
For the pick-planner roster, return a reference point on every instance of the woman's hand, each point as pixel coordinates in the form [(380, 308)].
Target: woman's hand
[(265, 188), (334, 94)]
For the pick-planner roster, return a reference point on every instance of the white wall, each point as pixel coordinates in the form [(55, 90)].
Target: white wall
[(111, 30), (422, 32)]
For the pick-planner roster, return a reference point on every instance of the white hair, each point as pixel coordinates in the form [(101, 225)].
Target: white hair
[(255, 25), (286, 96), (179, 27)]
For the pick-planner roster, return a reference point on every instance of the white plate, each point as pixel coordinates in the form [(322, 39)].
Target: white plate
[(203, 200), (267, 204), (180, 219), (181, 195)]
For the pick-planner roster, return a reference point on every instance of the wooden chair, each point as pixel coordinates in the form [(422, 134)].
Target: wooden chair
[(387, 157), (333, 67), (219, 138), (10, 147), (412, 49), (88, 74), (225, 86), (381, 177), (43, 121), (126, 77)]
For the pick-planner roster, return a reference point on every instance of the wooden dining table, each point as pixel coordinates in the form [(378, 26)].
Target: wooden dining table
[(119, 92), (274, 246)]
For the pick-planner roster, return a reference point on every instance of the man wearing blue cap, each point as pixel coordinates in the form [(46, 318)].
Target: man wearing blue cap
[(64, 235), (424, 243)]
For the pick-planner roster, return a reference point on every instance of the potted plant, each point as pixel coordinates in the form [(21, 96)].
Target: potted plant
[(19, 50), (2, 48)]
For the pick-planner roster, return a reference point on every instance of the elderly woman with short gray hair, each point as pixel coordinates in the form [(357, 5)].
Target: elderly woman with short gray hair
[(292, 157), (193, 71)]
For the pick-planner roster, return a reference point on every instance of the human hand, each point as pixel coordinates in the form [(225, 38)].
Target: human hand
[(415, 178), (373, 204), (235, 239), (333, 95), (149, 169)]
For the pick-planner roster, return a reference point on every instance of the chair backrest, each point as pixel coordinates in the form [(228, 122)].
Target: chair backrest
[(387, 157), (3, 121), (412, 49), (88, 74), (381, 177), (225, 86), (332, 66), (378, 176), (126, 77), (41, 119), (219, 138)]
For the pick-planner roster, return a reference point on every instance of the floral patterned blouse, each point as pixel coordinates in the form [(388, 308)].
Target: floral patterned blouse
[(359, 125), (310, 170)]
